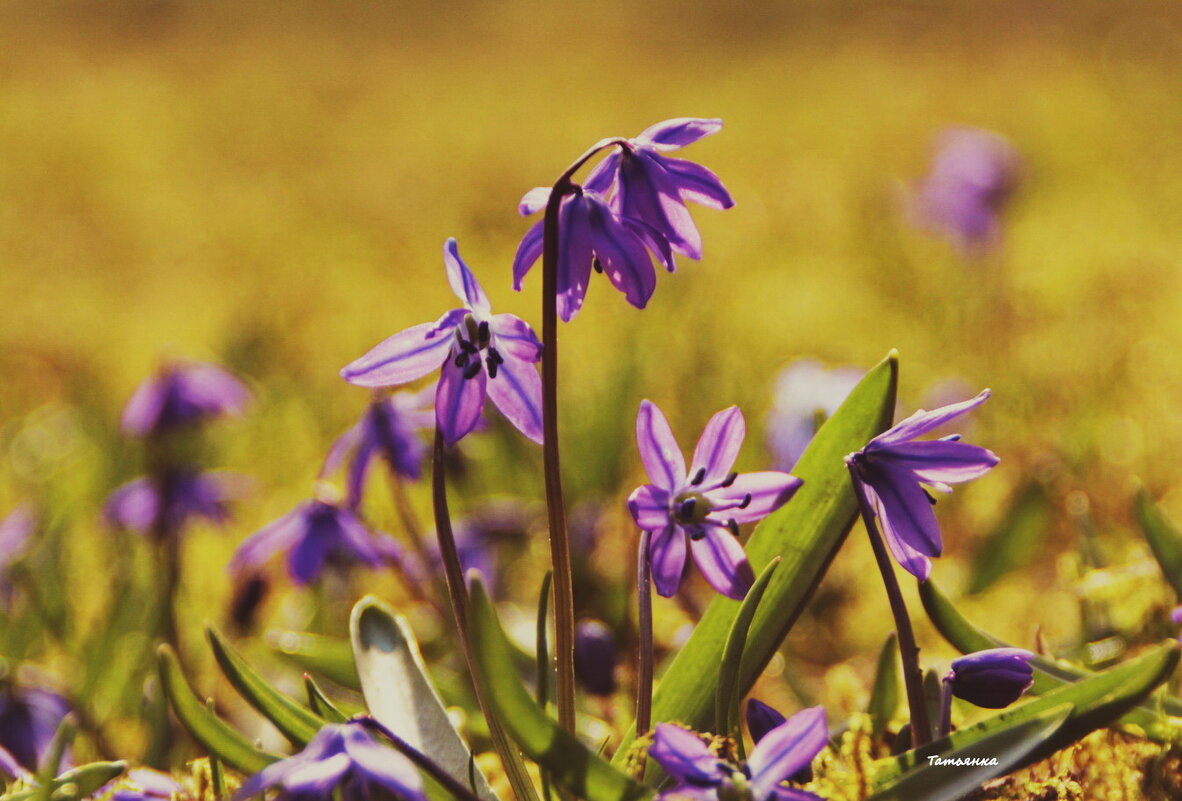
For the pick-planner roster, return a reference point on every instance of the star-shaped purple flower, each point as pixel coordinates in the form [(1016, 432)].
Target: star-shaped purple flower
[(482, 355), (892, 467), (174, 502), (705, 505), (781, 753), (183, 393), (340, 755)]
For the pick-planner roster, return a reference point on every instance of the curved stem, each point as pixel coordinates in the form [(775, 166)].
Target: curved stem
[(921, 727), (644, 669), (420, 760)]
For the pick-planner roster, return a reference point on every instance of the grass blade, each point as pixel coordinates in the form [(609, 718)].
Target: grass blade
[(728, 696), (884, 697)]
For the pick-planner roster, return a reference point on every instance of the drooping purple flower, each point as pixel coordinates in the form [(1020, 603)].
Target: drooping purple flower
[(183, 393), (481, 354), (340, 755), (781, 753), (595, 657), (705, 505), (29, 717), (387, 430), (893, 469), (973, 174), (314, 536), (806, 395), (145, 784), (171, 502), (993, 679)]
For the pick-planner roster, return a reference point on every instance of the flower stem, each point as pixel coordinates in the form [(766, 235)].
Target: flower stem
[(421, 761), (644, 670), (921, 727), (945, 708)]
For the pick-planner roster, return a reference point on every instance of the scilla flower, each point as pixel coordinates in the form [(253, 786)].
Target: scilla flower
[(180, 394), (705, 505), (481, 355), (993, 679)]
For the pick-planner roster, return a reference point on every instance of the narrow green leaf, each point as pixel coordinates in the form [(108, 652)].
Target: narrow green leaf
[(52, 760), (1015, 540), (295, 722), (207, 728), (545, 668), (570, 763), (884, 697), (217, 779), (86, 778), (331, 657), (320, 703), (728, 696), (806, 533), (1005, 749), (399, 692), (1095, 702), (1164, 539)]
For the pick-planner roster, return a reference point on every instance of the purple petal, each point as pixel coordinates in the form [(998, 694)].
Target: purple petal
[(679, 132), (648, 193), (684, 756), (458, 402), (383, 765), (528, 252), (462, 281), (183, 393), (574, 256), (718, 447), (649, 506), (317, 777), (793, 794), (907, 510), (406, 356), (279, 535), (534, 200), (600, 179), (910, 559), (939, 461), (622, 255), (652, 239), (761, 719), (753, 496), (353, 539), (658, 449), (513, 336), (9, 765), (667, 555), (340, 448), (922, 422), (698, 184), (307, 555), (723, 563), (786, 749), (517, 392)]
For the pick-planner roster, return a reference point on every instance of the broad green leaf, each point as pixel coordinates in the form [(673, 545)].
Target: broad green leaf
[(1049, 674), (86, 778), (727, 697), (331, 657), (1095, 702), (884, 697), (399, 692), (1164, 539), (207, 728), (295, 722), (1005, 749), (570, 763), (806, 534), (1015, 540), (320, 704)]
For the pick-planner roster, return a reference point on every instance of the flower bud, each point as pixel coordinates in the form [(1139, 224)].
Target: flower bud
[(993, 679), (761, 719), (595, 657)]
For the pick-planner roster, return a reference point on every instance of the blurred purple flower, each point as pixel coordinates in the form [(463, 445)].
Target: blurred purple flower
[(144, 784), (180, 394), (807, 394), (29, 717), (781, 753), (892, 467), (706, 505), (1176, 615), (387, 429), (595, 657), (10, 767), (972, 176), (482, 355), (16, 535), (171, 502), (313, 536), (993, 679), (340, 755)]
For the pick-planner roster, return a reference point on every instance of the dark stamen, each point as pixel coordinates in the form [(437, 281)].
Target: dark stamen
[(730, 479), (951, 438), (931, 497), (467, 346), (699, 477), (492, 368), (494, 356), (732, 527), (595, 265), (697, 533), (461, 359), (482, 333), (687, 508), (473, 369), (746, 501)]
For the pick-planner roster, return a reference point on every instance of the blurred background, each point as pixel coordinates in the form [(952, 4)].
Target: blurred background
[(268, 186)]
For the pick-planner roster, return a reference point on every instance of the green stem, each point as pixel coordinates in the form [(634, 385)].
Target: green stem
[(421, 761)]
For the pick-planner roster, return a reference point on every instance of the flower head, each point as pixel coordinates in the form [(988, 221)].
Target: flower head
[(705, 505), (892, 467), (340, 755), (781, 753), (315, 535), (174, 501), (595, 657), (481, 354), (993, 679), (181, 394), (29, 717), (807, 394)]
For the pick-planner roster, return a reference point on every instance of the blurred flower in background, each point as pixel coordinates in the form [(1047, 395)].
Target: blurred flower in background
[(174, 501), (806, 395), (16, 534), (595, 657), (180, 394), (29, 717)]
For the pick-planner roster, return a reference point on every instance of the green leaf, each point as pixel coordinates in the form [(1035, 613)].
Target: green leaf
[(331, 657), (1095, 702), (545, 668), (1164, 539), (86, 778), (207, 728), (1007, 748), (570, 763), (295, 722), (399, 692), (884, 697), (1049, 674), (806, 534), (52, 760), (727, 697), (320, 703), (1015, 540)]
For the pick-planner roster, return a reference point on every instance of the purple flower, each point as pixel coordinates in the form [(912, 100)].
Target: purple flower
[(973, 175), (144, 784), (595, 657), (891, 469), (782, 752), (481, 353), (10, 767), (182, 394), (16, 535), (705, 505), (314, 535), (340, 755), (1176, 615), (993, 679), (761, 719), (387, 429), (806, 395), (170, 503), (29, 717)]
